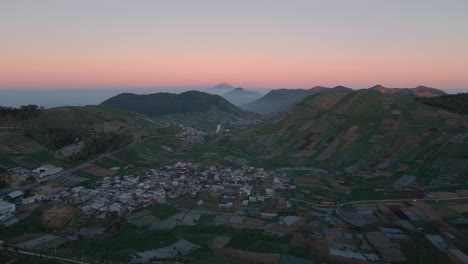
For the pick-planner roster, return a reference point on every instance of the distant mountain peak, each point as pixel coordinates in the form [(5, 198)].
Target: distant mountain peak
[(378, 86), (425, 87), (240, 96), (319, 87), (223, 86), (340, 87)]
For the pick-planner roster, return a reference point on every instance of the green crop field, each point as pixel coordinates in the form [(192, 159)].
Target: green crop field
[(163, 211)]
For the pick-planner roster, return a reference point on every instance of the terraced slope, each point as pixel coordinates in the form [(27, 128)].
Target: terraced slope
[(364, 133), (37, 140), (420, 91)]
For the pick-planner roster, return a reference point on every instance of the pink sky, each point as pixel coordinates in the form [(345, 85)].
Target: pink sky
[(269, 44)]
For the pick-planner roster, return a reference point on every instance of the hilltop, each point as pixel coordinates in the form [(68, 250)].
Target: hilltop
[(202, 110), (420, 91), (168, 103), (240, 96)]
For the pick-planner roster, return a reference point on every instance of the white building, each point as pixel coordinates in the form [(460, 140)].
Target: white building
[(47, 170), (16, 194), (6, 209), (269, 192)]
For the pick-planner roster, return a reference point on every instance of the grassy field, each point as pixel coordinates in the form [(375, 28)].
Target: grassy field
[(118, 247), (109, 163), (27, 260), (416, 251), (87, 175), (253, 240), (163, 211), (32, 224)]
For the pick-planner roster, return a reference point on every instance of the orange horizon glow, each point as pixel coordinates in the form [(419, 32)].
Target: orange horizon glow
[(271, 44), (139, 70)]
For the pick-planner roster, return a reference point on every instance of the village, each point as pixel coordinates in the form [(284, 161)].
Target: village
[(125, 194), (246, 199)]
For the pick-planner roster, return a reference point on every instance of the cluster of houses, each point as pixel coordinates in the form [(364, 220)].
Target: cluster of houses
[(118, 194), (190, 134), (124, 194)]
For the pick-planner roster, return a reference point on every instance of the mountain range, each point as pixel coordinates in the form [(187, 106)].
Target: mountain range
[(277, 101), (420, 91)]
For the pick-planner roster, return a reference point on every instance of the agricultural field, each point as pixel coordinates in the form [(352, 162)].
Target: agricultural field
[(17, 150), (364, 134)]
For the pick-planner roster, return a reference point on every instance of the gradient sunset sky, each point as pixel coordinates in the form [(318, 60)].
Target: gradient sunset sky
[(249, 43)]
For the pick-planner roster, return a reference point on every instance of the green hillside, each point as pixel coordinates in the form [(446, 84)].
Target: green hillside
[(457, 103), (197, 109), (362, 133), (280, 100), (167, 103), (34, 140)]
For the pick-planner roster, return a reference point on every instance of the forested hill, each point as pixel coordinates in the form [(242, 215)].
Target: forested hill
[(168, 103)]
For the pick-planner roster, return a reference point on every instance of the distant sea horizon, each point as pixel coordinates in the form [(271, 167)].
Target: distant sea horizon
[(56, 97)]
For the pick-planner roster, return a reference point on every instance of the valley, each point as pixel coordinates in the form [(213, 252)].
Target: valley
[(340, 176)]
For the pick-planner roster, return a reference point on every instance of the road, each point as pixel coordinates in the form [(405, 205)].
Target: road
[(82, 165), (85, 164), (28, 253), (380, 201), (403, 200), (68, 172)]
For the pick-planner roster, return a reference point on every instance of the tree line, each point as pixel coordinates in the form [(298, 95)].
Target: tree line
[(22, 112), (94, 146), (457, 103)]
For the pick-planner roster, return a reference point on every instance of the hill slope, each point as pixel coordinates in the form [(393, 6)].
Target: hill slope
[(457, 103), (240, 96), (70, 134), (365, 134), (57, 127), (280, 100)]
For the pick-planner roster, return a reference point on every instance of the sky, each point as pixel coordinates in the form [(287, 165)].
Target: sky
[(250, 43)]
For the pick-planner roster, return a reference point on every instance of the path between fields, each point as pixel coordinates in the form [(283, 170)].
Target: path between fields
[(24, 252), (377, 201), (89, 162)]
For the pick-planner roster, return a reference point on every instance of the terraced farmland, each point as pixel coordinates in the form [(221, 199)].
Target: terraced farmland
[(363, 133)]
